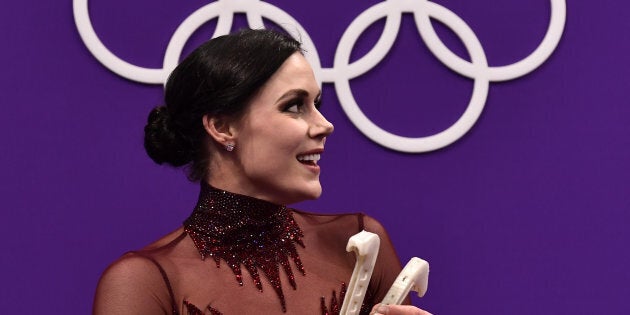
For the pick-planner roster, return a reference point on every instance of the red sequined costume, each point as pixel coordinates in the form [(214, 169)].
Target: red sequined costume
[(295, 263)]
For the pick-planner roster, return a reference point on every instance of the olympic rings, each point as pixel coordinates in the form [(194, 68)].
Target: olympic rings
[(340, 75)]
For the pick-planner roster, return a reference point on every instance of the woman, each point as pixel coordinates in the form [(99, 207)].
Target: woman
[(242, 113)]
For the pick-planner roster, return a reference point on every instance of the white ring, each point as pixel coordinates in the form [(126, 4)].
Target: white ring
[(477, 69), (507, 72), (424, 10), (225, 10), (106, 57)]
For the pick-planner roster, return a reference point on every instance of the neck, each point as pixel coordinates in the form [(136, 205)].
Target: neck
[(245, 231)]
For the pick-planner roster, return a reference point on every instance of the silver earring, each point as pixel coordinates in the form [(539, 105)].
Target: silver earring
[(229, 147)]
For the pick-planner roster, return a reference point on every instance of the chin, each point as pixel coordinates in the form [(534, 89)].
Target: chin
[(317, 194), (310, 193), (316, 191)]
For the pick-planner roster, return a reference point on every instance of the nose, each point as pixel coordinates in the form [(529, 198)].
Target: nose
[(320, 126)]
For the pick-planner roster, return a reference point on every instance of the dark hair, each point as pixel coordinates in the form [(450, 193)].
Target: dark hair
[(217, 79)]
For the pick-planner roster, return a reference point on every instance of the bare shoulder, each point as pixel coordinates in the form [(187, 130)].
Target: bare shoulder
[(386, 248), (372, 225), (166, 239), (132, 284), (333, 228), (131, 268)]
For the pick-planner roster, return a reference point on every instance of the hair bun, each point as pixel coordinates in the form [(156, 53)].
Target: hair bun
[(162, 142)]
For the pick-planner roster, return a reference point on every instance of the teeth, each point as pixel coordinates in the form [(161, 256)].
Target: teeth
[(309, 157)]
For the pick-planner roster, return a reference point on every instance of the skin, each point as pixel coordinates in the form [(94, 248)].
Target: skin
[(281, 123), (380, 309)]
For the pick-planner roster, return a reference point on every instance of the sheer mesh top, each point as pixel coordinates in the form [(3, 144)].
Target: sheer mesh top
[(170, 276)]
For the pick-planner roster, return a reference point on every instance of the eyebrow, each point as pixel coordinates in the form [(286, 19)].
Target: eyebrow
[(296, 92)]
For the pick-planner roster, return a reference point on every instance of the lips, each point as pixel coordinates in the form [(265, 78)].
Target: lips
[(310, 159)]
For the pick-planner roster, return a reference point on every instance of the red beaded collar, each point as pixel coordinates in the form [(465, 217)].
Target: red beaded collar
[(249, 232)]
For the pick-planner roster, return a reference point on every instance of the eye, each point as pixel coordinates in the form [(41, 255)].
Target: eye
[(294, 106), (318, 103)]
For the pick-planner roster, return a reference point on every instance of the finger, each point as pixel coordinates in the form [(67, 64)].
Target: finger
[(382, 309)]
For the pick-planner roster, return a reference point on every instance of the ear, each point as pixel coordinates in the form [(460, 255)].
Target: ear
[(221, 129)]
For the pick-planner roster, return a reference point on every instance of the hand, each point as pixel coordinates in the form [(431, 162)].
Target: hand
[(382, 309)]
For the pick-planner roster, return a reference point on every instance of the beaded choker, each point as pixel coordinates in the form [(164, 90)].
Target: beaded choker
[(249, 232)]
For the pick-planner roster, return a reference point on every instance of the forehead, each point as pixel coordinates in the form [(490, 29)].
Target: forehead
[(294, 74)]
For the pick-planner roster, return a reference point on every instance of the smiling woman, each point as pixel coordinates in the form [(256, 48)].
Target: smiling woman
[(242, 113), (278, 139)]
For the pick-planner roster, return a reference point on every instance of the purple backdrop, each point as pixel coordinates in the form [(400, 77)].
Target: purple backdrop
[(526, 213)]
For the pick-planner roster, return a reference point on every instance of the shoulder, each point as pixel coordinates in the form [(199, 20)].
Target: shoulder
[(373, 225), (132, 284), (168, 240), (370, 224), (342, 225), (386, 247), (131, 268), (350, 222), (352, 218)]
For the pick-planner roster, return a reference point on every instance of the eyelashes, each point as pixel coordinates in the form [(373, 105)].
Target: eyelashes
[(297, 105), (293, 106), (318, 102)]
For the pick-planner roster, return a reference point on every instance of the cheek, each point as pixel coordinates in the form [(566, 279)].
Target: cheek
[(273, 141), (269, 162), (270, 145), (285, 134)]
